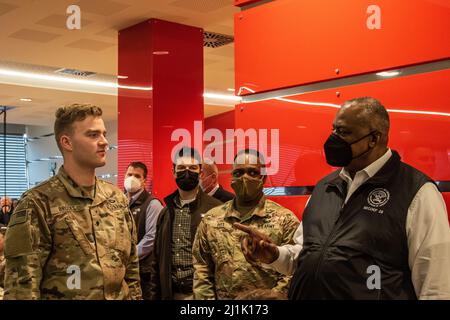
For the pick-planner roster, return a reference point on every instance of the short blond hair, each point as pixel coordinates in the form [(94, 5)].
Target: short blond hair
[(66, 116)]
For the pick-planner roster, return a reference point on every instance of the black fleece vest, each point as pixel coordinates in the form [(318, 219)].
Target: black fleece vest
[(139, 210), (342, 241)]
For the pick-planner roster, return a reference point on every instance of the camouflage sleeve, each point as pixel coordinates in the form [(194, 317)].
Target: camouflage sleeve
[(203, 265), (27, 246), (132, 277), (290, 225)]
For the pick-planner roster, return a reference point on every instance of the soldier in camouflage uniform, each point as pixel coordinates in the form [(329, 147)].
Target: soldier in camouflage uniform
[(221, 270), (73, 237)]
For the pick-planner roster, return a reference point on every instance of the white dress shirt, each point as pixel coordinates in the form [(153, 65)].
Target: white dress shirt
[(213, 190), (427, 230)]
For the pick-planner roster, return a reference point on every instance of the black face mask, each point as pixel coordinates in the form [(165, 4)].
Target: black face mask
[(187, 180), (338, 152)]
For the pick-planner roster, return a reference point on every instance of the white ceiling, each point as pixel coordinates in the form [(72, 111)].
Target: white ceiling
[(33, 34)]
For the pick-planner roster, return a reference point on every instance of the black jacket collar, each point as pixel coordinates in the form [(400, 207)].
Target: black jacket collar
[(175, 196)]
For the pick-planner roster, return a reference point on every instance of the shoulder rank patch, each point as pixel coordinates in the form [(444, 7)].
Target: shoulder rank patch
[(19, 217)]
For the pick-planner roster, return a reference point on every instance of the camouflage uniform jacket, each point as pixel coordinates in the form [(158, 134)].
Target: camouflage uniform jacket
[(221, 271), (2, 274), (63, 244)]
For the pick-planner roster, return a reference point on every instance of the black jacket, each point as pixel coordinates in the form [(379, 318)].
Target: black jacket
[(161, 266), (223, 195), (344, 244)]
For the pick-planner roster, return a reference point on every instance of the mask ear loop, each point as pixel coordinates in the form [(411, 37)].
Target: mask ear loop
[(370, 133), (367, 135)]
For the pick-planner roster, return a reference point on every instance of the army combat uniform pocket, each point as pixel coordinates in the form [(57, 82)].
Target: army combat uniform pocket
[(79, 236), (123, 235)]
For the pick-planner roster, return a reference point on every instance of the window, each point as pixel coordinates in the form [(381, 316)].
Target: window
[(16, 178)]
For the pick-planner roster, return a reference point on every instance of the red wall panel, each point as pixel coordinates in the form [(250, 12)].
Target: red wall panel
[(287, 43), (420, 124), (222, 122)]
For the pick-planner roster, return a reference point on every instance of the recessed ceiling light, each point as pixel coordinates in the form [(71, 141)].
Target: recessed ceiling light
[(388, 73), (122, 77), (160, 53), (45, 78), (25, 99), (222, 96)]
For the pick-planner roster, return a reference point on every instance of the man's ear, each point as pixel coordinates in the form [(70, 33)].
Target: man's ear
[(65, 142), (376, 138)]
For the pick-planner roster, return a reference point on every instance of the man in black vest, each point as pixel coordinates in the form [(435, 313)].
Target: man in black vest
[(375, 229), (145, 210)]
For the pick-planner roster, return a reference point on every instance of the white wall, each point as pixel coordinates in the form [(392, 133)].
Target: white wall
[(46, 147)]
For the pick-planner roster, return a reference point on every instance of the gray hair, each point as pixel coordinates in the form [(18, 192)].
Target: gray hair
[(372, 112)]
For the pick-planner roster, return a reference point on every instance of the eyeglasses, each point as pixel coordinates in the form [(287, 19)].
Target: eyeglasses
[(252, 172)]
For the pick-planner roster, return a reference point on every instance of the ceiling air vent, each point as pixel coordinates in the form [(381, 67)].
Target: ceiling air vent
[(74, 72), (214, 40)]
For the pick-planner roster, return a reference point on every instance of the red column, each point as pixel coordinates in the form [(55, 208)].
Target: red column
[(163, 91)]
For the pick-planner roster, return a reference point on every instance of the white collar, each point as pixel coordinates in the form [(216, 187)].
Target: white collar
[(371, 169), (213, 190)]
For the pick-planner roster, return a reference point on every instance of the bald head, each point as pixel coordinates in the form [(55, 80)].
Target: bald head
[(5, 204), (368, 112), (209, 167), (209, 176)]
